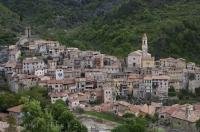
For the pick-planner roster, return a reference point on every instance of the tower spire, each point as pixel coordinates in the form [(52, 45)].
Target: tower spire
[(144, 43), (28, 32)]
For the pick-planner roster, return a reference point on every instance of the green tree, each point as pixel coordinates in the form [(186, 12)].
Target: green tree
[(198, 124), (197, 91), (132, 125), (121, 128), (36, 119), (171, 91), (8, 100), (65, 118), (37, 93)]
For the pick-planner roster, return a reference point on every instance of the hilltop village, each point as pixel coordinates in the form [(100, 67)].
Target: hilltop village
[(103, 83)]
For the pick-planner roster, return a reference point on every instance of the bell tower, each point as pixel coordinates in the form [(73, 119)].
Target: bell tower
[(28, 32), (144, 43)]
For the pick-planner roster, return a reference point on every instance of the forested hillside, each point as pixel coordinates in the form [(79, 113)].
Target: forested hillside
[(112, 26), (9, 25)]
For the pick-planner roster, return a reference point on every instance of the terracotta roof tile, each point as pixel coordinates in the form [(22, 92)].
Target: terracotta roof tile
[(16, 109), (58, 94)]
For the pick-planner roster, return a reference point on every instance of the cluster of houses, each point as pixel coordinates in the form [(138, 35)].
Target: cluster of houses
[(85, 77)]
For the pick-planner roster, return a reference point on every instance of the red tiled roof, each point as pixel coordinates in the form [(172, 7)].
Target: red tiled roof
[(197, 107), (181, 114), (65, 81), (32, 60), (16, 109), (11, 64), (58, 94), (26, 76), (53, 81)]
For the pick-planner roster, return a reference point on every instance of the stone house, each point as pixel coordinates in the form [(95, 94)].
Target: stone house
[(195, 82), (104, 107), (40, 72), (58, 96), (70, 63), (84, 98), (176, 78), (72, 53), (14, 85), (182, 117), (72, 73), (31, 64), (56, 85), (96, 74), (90, 84), (86, 62), (154, 85), (14, 54), (55, 51), (170, 62), (111, 69), (27, 81), (109, 93), (120, 107), (20, 82), (73, 101), (98, 61), (191, 66), (80, 84), (10, 67), (76, 63), (52, 64), (160, 85), (121, 87)]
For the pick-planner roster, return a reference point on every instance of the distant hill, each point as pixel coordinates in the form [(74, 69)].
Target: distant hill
[(114, 26)]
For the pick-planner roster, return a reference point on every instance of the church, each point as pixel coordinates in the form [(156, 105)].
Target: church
[(141, 58)]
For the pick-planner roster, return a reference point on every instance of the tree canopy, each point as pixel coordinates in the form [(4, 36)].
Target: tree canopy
[(132, 125), (54, 118)]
